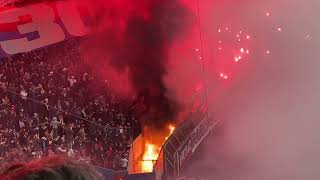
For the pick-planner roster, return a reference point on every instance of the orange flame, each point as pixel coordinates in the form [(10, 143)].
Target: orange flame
[(151, 153), (149, 157), (171, 128)]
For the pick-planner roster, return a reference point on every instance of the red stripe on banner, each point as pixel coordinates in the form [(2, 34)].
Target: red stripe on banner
[(11, 27)]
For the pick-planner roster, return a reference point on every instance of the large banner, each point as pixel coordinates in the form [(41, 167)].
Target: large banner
[(187, 149), (35, 26)]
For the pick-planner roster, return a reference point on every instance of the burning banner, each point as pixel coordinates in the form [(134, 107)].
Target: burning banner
[(152, 152), (146, 150)]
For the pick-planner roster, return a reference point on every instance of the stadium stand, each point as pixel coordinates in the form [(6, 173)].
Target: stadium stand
[(52, 104)]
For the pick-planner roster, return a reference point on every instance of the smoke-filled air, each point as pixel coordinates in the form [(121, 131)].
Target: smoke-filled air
[(131, 46), (264, 88), (260, 75)]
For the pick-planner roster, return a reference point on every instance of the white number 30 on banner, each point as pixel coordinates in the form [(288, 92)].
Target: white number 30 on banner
[(44, 23)]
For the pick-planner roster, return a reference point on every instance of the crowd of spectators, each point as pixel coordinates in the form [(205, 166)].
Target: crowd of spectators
[(52, 104)]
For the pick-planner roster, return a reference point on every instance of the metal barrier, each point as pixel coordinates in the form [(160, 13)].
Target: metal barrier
[(182, 144), (123, 175)]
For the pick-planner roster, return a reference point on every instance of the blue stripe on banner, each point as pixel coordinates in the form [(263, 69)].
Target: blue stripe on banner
[(9, 35), (4, 36), (33, 36)]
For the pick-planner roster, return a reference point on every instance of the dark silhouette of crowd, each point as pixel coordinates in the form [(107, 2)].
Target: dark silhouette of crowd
[(52, 104), (50, 168)]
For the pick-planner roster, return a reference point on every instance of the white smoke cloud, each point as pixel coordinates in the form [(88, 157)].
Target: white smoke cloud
[(271, 111)]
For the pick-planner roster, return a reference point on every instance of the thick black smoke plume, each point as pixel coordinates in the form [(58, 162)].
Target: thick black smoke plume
[(138, 39)]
